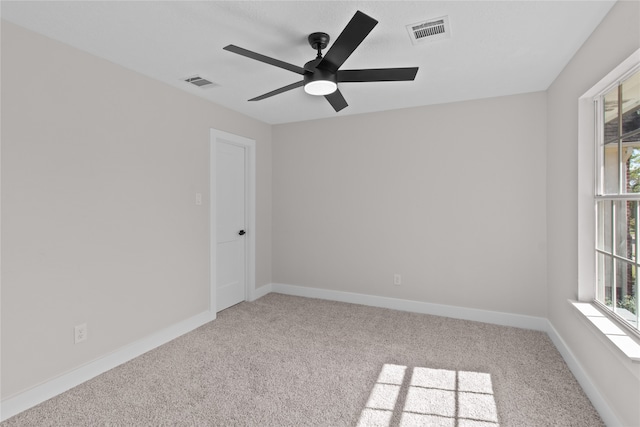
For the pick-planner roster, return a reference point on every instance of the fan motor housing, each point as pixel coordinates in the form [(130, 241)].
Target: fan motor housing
[(314, 78), (317, 73)]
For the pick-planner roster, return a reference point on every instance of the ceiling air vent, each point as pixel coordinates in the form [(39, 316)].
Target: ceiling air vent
[(431, 30), (200, 82)]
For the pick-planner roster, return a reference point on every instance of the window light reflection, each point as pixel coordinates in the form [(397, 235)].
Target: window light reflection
[(434, 397)]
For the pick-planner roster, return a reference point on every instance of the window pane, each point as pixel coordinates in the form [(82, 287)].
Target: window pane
[(603, 240), (625, 228), (605, 277), (626, 288), (610, 161), (631, 104), (631, 163), (611, 125)]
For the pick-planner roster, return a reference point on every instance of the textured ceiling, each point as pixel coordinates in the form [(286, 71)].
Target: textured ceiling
[(496, 48)]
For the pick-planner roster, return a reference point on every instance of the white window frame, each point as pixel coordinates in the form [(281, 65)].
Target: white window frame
[(624, 338), (618, 196)]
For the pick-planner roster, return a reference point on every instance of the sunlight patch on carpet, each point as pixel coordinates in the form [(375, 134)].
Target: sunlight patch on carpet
[(433, 397)]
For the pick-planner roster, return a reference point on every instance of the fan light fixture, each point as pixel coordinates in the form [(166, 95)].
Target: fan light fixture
[(320, 87), (319, 82)]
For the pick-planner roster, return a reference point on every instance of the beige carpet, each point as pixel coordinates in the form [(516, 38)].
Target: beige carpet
[(290, 361)]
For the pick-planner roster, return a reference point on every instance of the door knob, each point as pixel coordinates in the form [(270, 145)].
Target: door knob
[(242, 232)]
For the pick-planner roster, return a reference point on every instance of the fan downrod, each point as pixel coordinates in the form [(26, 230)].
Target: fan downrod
[(319, 41)]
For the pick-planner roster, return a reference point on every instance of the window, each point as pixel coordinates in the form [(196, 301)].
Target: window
[(617, 199)]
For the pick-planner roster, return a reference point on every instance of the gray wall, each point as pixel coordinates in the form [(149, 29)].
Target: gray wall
[(450, 196), (612, 42), (100, 167)]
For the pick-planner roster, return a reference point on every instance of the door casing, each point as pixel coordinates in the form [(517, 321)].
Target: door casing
[(250, 212)]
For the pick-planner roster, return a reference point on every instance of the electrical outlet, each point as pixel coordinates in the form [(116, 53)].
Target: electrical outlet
[(198, 199), (397, 279), (80, 333)]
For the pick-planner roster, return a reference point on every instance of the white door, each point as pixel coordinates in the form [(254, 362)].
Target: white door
[(230, 224)]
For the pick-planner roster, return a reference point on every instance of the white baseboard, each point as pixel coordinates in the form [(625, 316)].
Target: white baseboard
[(592, 392), (38, 394), (261, 291), (499, 318), (495, 317)]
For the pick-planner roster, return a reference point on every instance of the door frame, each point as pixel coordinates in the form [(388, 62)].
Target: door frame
[(250, 213)]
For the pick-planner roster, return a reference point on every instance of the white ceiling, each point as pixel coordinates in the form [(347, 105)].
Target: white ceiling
[(496, 47)]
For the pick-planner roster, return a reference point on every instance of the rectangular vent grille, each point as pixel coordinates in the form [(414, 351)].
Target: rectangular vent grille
[(200, 82), (431, 30), (428, 29)]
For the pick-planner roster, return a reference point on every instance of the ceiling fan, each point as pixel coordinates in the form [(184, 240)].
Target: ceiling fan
[(321, 76)]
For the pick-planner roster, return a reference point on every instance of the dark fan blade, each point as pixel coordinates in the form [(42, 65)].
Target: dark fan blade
[(265, 59), (356, 30), (336, 100), (378, 75), (277, 91)]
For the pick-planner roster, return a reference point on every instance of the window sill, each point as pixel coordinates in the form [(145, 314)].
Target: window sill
[(624, 341)]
